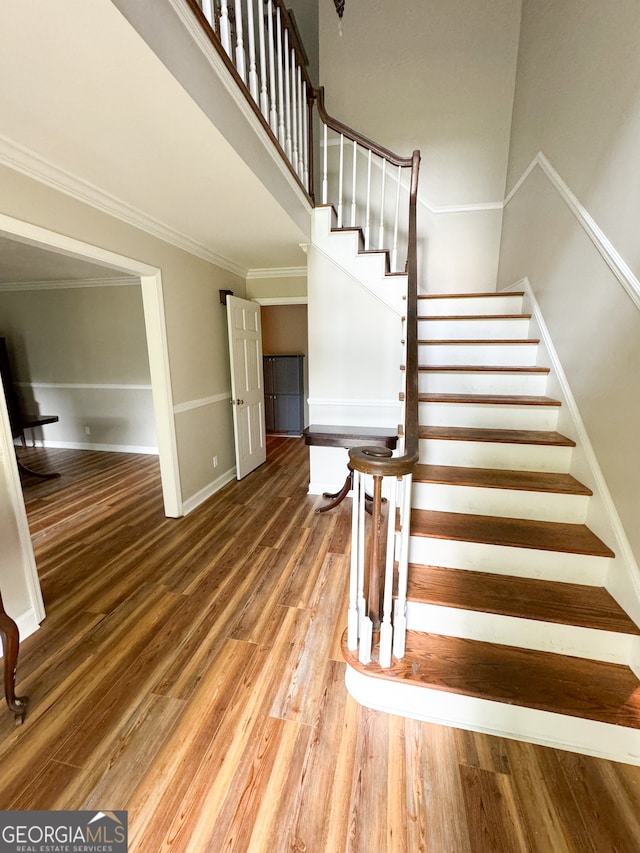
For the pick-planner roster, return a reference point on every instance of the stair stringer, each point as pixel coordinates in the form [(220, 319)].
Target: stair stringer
[(622, 579), (368, 269), (559, 731)]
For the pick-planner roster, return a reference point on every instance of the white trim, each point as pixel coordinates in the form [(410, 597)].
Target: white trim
[(325, 401), (605, 247), (27, 162), (559, 731), (202, 401), (622, 545), (280, 300), (84, 386), (148, 450), (69, 284), (210, 489), (278, 272)]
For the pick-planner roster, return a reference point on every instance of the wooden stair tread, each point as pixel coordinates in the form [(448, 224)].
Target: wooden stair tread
[(525, 598), (514, 532), (495, 478), (475, 341), (478, 368), (501, 436), (493, 399), (560, 684), (474, 317), (482, 295)]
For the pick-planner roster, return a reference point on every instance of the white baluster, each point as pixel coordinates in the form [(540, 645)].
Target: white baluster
[(207, 11), (366, 625), (386, 628), (280, 78), (294, 96), (353, 620), (253, 73), (273, 112), (368, 213), (353, 185), (240, 61), (225, 32), (394, 252), (340, 177), (287, 95), (301, 112), (305, 137), (400, 612), (325, 182), (264, 95), (381, 228)]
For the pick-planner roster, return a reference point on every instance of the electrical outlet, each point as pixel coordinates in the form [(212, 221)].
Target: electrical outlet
[(215, 461), (87, 430)]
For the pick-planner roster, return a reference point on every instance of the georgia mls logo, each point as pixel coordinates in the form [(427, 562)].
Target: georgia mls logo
[(63, 832)]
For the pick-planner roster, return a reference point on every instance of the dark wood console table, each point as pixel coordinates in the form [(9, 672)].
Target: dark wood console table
[(329, 435), (30, 422)]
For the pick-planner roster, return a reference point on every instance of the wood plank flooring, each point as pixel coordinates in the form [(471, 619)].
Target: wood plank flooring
[(189, 671)]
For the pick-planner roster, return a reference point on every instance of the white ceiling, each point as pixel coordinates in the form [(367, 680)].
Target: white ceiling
[(84, 94)]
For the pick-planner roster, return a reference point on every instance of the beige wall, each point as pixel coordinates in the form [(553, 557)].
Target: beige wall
[(577, 101), (438, 77), (81, 353), (196, 322)]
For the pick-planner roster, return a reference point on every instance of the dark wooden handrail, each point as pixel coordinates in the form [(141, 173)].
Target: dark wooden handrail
[(350, 133), (367, 460)]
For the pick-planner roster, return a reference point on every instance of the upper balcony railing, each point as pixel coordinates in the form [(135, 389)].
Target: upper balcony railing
[(370, 188)]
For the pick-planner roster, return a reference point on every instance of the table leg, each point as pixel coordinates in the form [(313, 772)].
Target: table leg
[(11, 642)]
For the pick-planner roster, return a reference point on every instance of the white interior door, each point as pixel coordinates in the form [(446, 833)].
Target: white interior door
[(247, 389)]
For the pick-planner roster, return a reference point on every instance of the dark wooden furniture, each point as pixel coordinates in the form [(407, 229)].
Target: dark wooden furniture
[(11, 645), (284, 393), (18, 419), (330, 435)]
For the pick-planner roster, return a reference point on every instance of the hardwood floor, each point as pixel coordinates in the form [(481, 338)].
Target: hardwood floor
[(190, 672)]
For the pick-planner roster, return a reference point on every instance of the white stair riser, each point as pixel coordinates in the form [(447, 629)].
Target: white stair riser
[(525, 633), (460, 382), (507, 560), (488, 454), (488, 416), (603, 740), (507, 355), (473, 329), (506, 503), (451, 306)]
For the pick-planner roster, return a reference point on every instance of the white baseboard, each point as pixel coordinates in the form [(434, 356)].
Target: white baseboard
[(210, 489), (107, 448)]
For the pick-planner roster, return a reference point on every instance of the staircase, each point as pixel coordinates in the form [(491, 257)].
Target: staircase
[(511, 630)]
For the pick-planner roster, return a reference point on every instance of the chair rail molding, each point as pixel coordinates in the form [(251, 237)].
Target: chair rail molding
[(605, 247)]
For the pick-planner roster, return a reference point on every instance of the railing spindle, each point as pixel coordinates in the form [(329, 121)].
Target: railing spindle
[(394, 251), (381, 228), (273, 112), (366, 625), (368, 207), (280, 77), (287, 94), (324, 164), (353, 618), (225, 31), (386, 629), (305, 137), (253, 72), (400, 609), (353, 184), (294, 96), (207, 11), (340, 177), (264, 95), (240, 60), (301, 113)]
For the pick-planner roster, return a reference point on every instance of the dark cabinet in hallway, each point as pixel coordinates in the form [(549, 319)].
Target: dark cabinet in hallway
[(284, 393)]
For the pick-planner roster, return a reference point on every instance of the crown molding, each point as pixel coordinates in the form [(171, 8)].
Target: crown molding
[(21, 159), (266, 301), (277, 272)]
